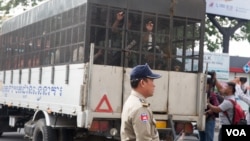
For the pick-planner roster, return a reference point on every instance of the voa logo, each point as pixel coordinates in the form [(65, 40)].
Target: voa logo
[(236, 132)]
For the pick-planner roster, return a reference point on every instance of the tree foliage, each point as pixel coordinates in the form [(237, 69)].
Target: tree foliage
[(214, 38), (7, 5)]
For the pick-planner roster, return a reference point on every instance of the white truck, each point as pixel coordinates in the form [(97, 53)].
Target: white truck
[(52, 86)]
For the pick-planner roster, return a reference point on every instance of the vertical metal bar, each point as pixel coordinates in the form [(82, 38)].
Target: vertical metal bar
[(171, 32), (171, 122), (201, 98), (4, 77), (89, 77), (202, 35), (11, 77), (67, 74), (184, 55), (92, 48), (40, 75), (29, 79), (52, 75), (20, 76)]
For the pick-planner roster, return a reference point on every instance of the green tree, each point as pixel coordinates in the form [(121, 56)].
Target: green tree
[(7, 5), (219, 30)]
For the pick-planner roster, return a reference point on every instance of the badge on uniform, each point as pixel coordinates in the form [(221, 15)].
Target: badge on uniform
[(144, 117)]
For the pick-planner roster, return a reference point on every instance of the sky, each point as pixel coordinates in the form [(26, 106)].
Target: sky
[(239, 48)]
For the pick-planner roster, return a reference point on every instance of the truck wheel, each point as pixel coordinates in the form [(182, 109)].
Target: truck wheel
[(43, 132)]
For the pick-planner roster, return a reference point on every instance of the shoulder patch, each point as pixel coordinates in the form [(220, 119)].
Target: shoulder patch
[(144, 117)]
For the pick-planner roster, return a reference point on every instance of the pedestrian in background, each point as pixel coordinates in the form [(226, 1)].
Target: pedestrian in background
[(228, 91), (241, 92)]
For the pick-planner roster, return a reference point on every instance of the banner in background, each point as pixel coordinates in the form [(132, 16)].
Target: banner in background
[(230, 8)]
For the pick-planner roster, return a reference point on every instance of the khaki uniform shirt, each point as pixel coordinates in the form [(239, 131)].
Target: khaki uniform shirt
[(138, 123)]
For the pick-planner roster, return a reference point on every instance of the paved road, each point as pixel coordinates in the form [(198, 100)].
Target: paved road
[(19, 136), (216, 131), (13, 136), (16, 136), (216, 135)]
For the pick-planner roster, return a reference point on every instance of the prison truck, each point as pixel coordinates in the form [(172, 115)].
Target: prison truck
[(64, 67)]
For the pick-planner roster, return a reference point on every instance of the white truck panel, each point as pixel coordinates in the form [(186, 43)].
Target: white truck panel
[(57, 97), (175, 93), (158, 102), (25, 74), (35, 76), (106, 89), (109, 82), (183, 95)]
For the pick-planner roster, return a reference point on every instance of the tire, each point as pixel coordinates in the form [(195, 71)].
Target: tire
[(43, 132), (1, 133)]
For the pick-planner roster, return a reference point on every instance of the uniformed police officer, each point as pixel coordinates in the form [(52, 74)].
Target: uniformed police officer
[(138, 123)]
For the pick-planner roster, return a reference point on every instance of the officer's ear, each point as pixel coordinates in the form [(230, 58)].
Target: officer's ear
[(143, 82)]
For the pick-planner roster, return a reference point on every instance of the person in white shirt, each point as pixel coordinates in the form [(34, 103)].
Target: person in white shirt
[(228, 92), (241, 88)]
